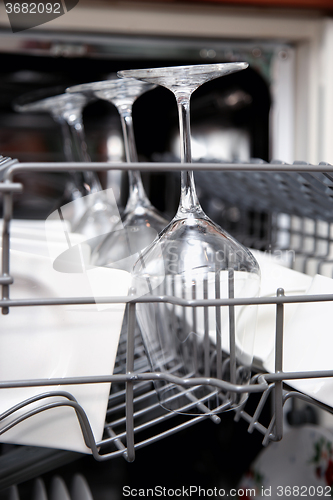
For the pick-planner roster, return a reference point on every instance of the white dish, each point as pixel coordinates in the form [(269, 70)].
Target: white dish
[(37, 228), (301, 465), (38, 225), (308, 343), (40, 247), (59, 341), (48, 238), (245, 317), (274, 276), (23, 229), (248, 318)]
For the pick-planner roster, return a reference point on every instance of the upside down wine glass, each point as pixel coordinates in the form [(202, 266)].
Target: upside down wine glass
[(140, 222), (195, 259), (98, 212), (66, 110)]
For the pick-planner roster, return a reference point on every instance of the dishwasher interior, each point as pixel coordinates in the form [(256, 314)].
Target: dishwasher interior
[(270, 206)]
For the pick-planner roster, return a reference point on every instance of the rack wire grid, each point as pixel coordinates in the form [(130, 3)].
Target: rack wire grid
[(298, 202)]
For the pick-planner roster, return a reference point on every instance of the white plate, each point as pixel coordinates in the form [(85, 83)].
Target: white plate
[(261, 319), (49, 239), (308, 343), (41, 247), (274, 276), (245, 316), (301, 465), (59, 341), (38, 225), (36, 229)]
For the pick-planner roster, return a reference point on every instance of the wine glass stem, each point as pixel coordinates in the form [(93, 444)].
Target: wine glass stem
[(91, 180), (185, 129), (68, 149), (137, 195), (80, 140), (66, 139), (188, 199)]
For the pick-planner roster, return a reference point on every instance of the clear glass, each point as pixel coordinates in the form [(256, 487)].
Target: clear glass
[(140, 222), (66, 110), (195, 259)]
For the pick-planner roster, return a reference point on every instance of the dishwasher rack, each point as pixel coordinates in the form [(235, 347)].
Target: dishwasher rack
[(134, 417)]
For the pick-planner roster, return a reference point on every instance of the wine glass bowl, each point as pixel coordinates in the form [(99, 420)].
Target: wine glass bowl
[(183, 79), (57, 105), (195, 259), (64, 109)]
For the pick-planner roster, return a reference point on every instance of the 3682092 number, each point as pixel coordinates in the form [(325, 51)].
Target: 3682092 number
[(33, 8), (303, 491)]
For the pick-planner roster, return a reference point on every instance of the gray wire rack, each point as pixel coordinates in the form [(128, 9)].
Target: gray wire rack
[(134, 417)]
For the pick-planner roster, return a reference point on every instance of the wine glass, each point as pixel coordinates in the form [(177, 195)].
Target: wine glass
[(66, 110), (37, 102), (140, 222), (58, 107), (195, 259)]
